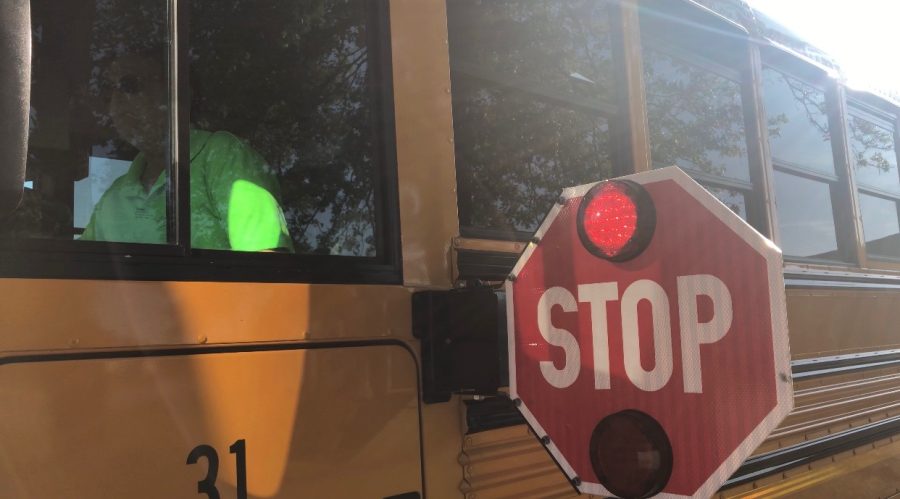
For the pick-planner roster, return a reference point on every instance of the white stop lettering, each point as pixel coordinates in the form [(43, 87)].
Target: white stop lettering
[(693, 332)]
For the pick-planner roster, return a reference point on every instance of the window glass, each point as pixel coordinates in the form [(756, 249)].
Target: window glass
[(561, 45), (805, 217), (284, 96), (797, 122), (880, 226), (695, 117), (872, 148), (99, 155), (736, 12), (734, 199), (285, 144), (516, 154), (668, 24), (530, 80)]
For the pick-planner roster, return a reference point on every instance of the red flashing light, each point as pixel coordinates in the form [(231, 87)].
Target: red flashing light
[(631, 454), (610, 219), (616, 220)]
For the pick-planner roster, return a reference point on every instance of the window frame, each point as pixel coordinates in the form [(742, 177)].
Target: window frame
[(877, 112), (177, 261), (818, 79), (751, 189)]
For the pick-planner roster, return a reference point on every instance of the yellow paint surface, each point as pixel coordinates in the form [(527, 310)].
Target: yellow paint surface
[(42, 314), (337, 422)]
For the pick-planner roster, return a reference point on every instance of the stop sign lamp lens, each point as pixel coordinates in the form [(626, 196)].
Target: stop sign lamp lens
[(616, 220), (631, 454)]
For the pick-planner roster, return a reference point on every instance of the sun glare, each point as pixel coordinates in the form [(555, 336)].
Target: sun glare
[(862, 35)]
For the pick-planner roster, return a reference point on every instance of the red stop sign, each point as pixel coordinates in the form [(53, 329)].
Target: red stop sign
[(690, 333)]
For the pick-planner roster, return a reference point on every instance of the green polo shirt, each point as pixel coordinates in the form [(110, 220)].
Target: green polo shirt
[(234, 201)]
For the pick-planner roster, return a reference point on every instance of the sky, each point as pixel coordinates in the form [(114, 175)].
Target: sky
[(862, 35)]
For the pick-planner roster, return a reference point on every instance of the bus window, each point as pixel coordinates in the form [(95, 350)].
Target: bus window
[(696, 121), (695, 117), (295, 82), (880, 225), (532, 92), (695, 112), (805, 216), (286, 128), (874, 156), (97, 117), (799, 134), (805, 177)]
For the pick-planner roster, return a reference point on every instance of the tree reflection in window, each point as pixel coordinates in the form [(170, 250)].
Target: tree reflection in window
[(532, 82), (874, 156), (797, 122), (695, 118), (561, 45), (515, 154), (800, 143), (293, 78)]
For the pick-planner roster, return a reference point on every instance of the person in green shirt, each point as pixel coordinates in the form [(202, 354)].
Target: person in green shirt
[(234, 194)]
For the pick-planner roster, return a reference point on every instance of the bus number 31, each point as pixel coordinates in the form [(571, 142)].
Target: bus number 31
[(208, 485)]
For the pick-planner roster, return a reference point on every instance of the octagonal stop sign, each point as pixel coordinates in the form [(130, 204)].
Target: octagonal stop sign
[(661, 372)]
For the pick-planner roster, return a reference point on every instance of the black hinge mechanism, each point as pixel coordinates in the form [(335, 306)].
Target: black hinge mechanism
[(463, 334)]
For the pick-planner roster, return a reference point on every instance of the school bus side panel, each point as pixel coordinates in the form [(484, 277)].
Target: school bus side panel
[(335, 422), (107, 387)]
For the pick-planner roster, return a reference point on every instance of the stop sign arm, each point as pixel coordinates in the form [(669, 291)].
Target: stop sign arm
[(707, 293)]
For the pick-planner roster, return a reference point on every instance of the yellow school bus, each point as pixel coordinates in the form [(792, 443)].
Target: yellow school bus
[(253, 248)]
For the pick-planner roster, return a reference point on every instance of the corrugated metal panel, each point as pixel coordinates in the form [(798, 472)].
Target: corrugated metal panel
[(828, 406), (835, 403), (510, 463), (872, 471)]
